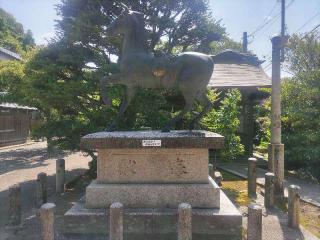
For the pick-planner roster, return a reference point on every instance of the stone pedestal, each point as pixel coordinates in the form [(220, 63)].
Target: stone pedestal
[(153, 169), (151, 173)]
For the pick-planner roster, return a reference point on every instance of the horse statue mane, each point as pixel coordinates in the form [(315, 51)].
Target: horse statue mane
[(188, 72)]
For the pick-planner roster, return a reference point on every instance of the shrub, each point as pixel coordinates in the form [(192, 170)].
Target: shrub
[(225, 121)]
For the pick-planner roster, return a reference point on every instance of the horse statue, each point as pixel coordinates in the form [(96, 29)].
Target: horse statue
[(188, 72)]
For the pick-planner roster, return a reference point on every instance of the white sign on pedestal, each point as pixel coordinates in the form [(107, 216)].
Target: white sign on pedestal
[(151, 143)]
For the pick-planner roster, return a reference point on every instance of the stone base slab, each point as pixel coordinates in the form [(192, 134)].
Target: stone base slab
[(157, 224), (153, 195), (153, 165)]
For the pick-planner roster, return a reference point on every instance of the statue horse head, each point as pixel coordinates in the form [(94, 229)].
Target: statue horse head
[(126, 23)]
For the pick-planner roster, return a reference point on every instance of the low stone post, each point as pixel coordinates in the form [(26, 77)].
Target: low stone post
[(293, 206), (41, 191), (46, 218), (269, 190), (254, 222), (252, 177), (211, 170), (60, 175), (185, 221), (116, 221), (218, 178), (14, 217)]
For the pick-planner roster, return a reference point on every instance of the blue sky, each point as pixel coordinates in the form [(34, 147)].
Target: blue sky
[(237, 16)]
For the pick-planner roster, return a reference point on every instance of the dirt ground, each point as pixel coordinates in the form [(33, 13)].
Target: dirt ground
[(20, 165)]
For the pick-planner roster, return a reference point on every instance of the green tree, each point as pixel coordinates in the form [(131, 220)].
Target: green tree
[(225, 121), (225, 43), (301, 121), (301, 106), (303, 53), (63, 78), (12, 35)]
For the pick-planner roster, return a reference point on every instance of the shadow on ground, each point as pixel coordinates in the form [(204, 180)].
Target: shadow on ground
[(30, 228), (22, 158)]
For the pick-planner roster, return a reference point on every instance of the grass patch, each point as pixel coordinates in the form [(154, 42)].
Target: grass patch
[(230, 177), (310, 218), (236, 189)]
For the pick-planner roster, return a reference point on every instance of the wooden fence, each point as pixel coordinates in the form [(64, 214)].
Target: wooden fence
[(15, 125)]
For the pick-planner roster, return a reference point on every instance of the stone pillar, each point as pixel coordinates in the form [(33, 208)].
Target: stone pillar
[(276, 91), (252, 177), (116, 221), (41, 189), (276, 165), (254, 222), (46, 218), (14, 217), (185, 222), (269, 190), (60, 175), (293, 206), (276, 149)]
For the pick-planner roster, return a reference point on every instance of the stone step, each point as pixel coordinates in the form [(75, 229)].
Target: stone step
[(149, 223), (136, 195)]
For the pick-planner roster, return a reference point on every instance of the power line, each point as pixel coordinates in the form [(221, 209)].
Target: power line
[(264, 22), (268, 67), (313, 30), (311, 19), (262, 26), (274, 20)]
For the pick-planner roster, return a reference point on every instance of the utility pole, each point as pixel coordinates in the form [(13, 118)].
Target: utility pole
[(283, 25), (276, 148), (245, 42), (283, 17)]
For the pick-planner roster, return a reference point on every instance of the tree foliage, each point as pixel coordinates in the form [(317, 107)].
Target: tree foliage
[(12, 35), (63, 78), (304, 53), (225, 121), (301, 121), (184, 23), (301, 106)]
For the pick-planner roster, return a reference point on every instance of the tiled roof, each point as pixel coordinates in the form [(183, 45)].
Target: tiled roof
[(238, 76), (11, 54), (16, 106)]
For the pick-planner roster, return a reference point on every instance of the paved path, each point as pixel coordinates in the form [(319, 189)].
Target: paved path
[(275, 225), (21, 164), (309, 192)]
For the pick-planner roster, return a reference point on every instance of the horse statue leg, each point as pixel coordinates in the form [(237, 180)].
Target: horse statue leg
[(104, 92), (206, 103), (109, 81), (130, 92), (189, 100)]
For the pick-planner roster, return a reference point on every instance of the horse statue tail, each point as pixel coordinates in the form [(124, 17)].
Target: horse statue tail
[(234, 57)]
